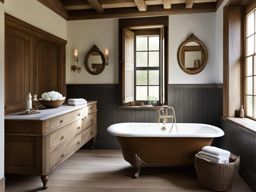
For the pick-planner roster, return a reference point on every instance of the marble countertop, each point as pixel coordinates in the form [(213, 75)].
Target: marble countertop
[(44, 113)]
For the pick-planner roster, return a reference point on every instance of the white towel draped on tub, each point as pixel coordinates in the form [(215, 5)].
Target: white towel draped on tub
[(77, 101)]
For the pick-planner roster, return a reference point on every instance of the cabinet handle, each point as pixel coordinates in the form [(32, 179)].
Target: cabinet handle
[(62, 155), (61, 121), (78, 128), (62, 137)]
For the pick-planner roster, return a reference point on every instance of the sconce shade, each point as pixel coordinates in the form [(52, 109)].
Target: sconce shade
[(106, 52), (75, 52)]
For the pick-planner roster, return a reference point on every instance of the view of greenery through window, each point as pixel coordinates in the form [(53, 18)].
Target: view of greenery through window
[(147, 70), (250, 65)]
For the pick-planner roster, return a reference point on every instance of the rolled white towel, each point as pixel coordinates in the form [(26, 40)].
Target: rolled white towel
[(213, 158), (216, 151)]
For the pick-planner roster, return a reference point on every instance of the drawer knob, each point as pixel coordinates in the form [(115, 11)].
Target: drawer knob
[(78, 143), (91, 120), (62, 137), (62, 155), (78, 127), (79, 114), (91, 133), (61, 121)]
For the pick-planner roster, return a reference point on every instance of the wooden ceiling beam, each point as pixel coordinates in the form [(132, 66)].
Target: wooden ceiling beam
[(96, 5), (141, 5), (167, 4), (56, 6), (189, 4), (151, 11)]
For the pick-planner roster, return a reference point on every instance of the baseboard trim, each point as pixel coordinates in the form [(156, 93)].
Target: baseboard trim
[(2, 185)]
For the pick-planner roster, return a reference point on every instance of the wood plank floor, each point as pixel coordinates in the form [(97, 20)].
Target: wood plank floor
[(106, 171)]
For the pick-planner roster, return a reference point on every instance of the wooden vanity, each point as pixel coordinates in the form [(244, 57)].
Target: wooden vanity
[(36, 144)]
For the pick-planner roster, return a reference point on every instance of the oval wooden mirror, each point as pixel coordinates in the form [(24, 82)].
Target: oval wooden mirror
[(94, 61), (192, 55)]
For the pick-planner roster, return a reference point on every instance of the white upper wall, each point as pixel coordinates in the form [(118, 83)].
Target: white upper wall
[(35, 13), (104, 33), (83, 35), (203, 26), (1, 90)]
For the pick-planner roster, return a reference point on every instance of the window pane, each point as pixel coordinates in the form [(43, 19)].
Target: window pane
[(249, 104), (250, 24), (249, 85), (153, 77), (154, 92), (250, 45), (254, 108), (254, 85), (141, 77), (141, 93), (154, 43), (141, 59), (154, 59), (248, 68), (141, 43)]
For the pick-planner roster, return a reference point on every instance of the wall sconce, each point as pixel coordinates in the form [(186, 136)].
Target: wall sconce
[(76, 66), (106, 54)]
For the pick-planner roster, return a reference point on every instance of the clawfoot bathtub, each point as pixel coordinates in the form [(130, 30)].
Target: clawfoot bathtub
[(146, 144)]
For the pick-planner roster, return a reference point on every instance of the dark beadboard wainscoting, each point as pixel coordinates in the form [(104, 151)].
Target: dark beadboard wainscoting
[(241, 141), (192, 103)]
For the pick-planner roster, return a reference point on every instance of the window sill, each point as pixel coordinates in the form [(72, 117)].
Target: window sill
[(246, 123), (140, 107)]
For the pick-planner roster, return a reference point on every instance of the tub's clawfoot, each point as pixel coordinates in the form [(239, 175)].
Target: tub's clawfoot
[(137, 164)]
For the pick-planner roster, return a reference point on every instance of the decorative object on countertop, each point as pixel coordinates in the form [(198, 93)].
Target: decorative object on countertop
[(52, 99), (35, 102), (76, 66), (241, 112), (29, 103), (77, 101), (214, 176)]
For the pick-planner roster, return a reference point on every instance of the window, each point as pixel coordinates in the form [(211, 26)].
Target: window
[(250, 65), (147, 67), (144, 59)]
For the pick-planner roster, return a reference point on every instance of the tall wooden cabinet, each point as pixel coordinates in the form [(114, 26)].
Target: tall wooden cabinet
[(34, 62)]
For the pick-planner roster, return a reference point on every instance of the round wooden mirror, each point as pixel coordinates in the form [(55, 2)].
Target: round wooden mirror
[(192, 55), (94, 61)]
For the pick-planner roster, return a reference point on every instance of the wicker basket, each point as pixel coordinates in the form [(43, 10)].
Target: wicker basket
[(218, 177)]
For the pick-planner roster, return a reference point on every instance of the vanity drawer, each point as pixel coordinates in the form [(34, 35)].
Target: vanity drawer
[(88, 121), (65, 151), (62, 135), (92, 108), (62, 120), (87, 135)]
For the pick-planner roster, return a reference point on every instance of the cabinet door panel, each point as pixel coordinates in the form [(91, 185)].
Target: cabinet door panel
[(47, 65), (17, 69)]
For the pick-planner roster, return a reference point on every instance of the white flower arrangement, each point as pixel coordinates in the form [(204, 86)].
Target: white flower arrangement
[(52, 96)]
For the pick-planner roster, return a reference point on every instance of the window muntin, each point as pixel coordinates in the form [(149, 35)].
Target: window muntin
[(147, 67), (250, 65)]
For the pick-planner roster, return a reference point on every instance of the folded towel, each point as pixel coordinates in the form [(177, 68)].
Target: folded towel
[(78, 101), (212, 158), (216, 151)]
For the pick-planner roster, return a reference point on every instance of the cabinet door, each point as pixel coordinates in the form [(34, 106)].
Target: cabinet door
[(17, 69), (47, 63)]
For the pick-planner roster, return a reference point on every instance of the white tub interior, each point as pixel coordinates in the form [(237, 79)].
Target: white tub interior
[(154, 130)]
